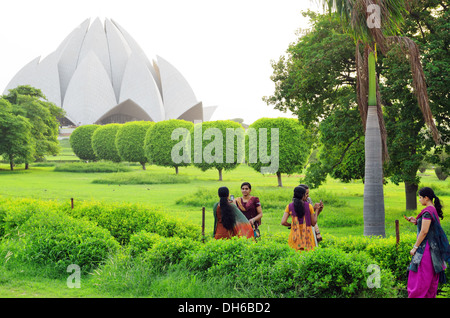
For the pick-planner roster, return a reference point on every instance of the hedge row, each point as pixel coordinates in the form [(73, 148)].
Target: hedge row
[(51, 234)]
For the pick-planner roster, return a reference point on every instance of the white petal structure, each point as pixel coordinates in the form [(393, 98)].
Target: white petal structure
[(99, 74)]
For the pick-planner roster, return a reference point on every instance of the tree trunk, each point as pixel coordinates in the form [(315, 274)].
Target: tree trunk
[(176, 169), (411, 192), (11, 165), (220, 174), (143, 165), (26, 165), (373, 176), (279, 179)]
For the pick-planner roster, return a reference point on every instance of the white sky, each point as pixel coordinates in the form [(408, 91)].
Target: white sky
[(222, 48)]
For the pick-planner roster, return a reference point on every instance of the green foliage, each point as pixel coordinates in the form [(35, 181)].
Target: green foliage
[(123, 220), (83, 167), (222, 153), (104, 142), (130, 141), (158, 142), (294, 145), (81, 142), (16, 142), (54, 241), (43, 116)]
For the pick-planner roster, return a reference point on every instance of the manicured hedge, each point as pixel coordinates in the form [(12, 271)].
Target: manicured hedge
[(81, 142), (104, 142)]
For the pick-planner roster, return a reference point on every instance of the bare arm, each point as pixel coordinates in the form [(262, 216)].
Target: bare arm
[(284, 219)]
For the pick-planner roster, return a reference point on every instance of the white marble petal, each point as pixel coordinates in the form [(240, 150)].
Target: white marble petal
[(95, 41), (177, 93), (90, 93), (139, 85)]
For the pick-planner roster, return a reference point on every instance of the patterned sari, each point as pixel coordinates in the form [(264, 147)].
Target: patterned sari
[(301, 237), (241, 227)]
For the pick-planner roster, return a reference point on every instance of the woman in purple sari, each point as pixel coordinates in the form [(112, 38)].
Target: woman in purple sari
[(427, 267)]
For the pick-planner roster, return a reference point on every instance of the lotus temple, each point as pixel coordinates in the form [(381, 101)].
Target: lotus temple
[(100, 75)]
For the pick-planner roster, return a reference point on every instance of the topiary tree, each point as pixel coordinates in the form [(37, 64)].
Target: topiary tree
[(104, 142), (162, 145), (130, 141), (225, 151), (81, 142), (282, 142)]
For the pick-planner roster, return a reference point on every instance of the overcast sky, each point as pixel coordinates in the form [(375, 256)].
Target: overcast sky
[(222, 48)]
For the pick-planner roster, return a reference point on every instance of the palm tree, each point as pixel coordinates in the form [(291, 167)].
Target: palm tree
[(356, 20)]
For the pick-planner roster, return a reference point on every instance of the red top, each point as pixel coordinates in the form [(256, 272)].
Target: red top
[(249, 208)]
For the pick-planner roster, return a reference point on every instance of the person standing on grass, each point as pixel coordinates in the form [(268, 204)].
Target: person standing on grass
[(431, 249), (228, 220), (250, 207), (317, 234), (304, 216)]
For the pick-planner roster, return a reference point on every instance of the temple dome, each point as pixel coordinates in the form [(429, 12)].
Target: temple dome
[(99, 74)]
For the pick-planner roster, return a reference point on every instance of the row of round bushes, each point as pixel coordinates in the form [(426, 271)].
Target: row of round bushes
[(177, 143)]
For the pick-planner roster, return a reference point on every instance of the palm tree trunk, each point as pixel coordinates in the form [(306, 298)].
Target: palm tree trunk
[(373, 175)]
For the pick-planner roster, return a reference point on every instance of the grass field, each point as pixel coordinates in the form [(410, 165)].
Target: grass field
[(183, 196)]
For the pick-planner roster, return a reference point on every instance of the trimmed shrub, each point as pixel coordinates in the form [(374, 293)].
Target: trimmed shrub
[(81, 142), (219, 150), (130, 141), (294, 145), (104, 142), (158, 143), (55, 241)]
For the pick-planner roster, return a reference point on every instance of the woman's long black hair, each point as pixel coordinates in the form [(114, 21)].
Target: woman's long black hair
[(428, 192), (228, 218), (299, 207)]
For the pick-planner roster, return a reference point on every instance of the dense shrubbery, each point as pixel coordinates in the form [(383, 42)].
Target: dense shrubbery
[(81, 142), (53, 240), (129, 246)]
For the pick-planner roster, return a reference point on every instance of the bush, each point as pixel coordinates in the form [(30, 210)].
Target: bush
[(383, 250), (55, 241), (81, 142), (123, 220), (130, 141), (104, 142), (142, 242), (92, 167), (158, 144), (332, 273), (441, 173)]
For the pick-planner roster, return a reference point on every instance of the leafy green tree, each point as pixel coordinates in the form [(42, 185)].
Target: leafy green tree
[(16, 143), (104, 142), (81, 142), (44, 117), (287, 143), (165, 140), (389, 16), (130, 141), (224, 152)]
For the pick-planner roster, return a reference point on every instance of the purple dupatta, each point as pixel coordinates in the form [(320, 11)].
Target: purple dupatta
[(307, 215)]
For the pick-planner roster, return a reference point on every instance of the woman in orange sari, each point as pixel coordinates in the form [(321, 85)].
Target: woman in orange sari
[(304, 217), (228, 220)]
